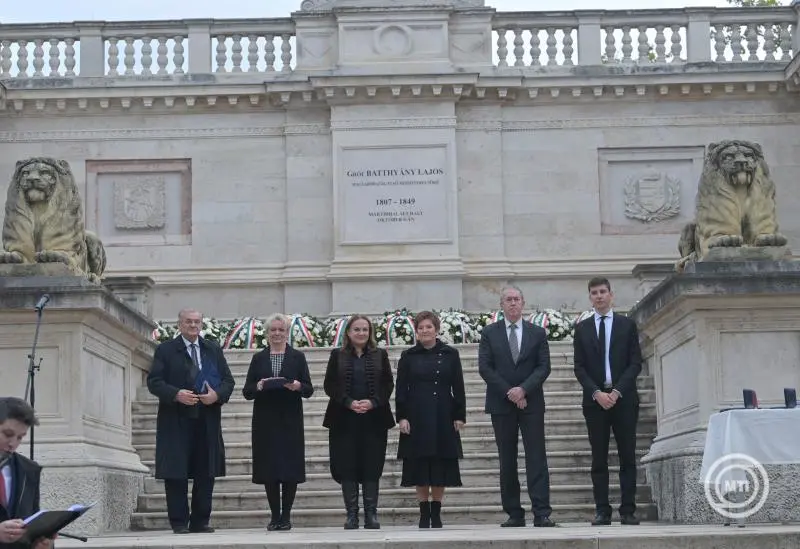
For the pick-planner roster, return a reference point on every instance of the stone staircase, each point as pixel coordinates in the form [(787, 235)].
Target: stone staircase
[(240, 504)]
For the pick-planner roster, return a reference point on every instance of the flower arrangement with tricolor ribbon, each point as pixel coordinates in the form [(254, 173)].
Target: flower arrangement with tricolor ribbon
[(556, 324), (214, 330), (395, 328), (247, 333), (456, 327), (305, 331), (334, 331)]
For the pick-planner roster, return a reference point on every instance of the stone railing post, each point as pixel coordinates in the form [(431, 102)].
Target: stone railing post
[(199, 46), (92, 54), (796, 33), (698, 32), (589, 38)]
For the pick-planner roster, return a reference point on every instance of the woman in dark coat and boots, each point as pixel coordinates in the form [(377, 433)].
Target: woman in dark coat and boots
[(431, 410), (359, 382), (277, 380)]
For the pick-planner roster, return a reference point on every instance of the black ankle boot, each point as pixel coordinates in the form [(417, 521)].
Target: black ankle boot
[(424, 514), (436, 519), (371, 505), (350, 494)]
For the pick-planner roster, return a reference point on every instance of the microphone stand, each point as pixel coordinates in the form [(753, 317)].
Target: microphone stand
[(33, 367)]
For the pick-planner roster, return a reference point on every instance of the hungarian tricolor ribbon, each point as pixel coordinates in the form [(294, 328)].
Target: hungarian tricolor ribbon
[(302, 324)]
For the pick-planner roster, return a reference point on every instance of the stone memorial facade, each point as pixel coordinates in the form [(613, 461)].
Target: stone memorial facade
[(368, 155)]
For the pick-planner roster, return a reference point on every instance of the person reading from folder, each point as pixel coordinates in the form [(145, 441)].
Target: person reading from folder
[(19, 476), (277, 381)]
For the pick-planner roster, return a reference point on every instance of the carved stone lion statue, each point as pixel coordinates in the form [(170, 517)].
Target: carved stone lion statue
[(44, 220), (735, 203)]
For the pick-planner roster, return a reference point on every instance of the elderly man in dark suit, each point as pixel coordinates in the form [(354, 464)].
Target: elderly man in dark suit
[(192, 381), (19, 476), (514, 360), (608, 359)]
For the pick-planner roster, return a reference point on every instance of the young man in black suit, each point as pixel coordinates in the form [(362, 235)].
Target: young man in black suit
[(192, 381), (514, 360), (608, 359), (19, 476)]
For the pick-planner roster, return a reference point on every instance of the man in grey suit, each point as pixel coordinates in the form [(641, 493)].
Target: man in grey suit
[(514, 360)]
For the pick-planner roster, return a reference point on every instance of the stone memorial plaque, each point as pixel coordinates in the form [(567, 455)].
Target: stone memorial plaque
[(394, 195)]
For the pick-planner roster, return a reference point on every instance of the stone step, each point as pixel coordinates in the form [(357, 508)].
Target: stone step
[(236, 428), (389, 516), (469, 444), (478, 460), (319, 401), (391, 479)]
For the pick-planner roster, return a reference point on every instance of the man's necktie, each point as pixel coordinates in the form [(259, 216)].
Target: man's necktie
[(602, 338), (3, 496), (512, 342), (194, 358)]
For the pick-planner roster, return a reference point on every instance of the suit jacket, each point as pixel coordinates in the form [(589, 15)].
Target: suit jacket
[(24, 497), (171, 371), (498, 370), (625, 357)]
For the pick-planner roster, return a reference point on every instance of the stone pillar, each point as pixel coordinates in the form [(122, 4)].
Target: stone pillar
[(95, 350), (651, 275), (136, 291), (711, 331)]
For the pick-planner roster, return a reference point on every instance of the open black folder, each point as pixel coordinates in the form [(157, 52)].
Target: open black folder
[(46, 524), (276, 383)]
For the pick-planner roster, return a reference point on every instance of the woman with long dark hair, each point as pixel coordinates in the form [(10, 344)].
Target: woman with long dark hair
[(359, 382)]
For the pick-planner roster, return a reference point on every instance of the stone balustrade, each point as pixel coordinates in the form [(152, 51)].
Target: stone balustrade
[(539, 41)]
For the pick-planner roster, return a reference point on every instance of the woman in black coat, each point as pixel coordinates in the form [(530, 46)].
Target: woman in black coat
[(277, 379), (359, 382), (431, 410)]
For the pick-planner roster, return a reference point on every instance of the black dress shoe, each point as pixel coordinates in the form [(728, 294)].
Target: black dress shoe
[(601, 519), (179, 530), (543, 522), (284, 525), (201, 530), (513, 523), (629, 520), (273, 525)]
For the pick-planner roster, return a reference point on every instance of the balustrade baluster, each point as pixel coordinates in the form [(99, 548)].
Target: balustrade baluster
[(252, 53), (719, 43), (222, 53), (786, 42), (113, 57), (552, 50), (752, 42), (502, 51), (5, 58), (627, 48), (129, 59), (519, 50), (147, 56), (69, 57), (237, 53), (769, 43), (269, 53), (55, 57), (677, 46), (661, 40), (536, 51), (611, 45), (644, 46), (38, 57), (567, 49), (736, 44), (162, 60), (177, 57), (286, 53), (22, 59)]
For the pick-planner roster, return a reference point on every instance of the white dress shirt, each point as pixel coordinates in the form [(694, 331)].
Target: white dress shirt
[(519, 331), (7, 480), (608, 322), (189, 350)]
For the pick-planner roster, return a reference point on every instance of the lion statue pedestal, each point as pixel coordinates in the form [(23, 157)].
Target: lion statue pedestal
[(728, 320)]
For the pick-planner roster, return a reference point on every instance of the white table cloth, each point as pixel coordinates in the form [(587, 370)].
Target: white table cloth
[(769, 436)]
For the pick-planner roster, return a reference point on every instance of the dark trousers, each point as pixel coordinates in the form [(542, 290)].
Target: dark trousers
[(202, 484), (622, 419), (506, 433)]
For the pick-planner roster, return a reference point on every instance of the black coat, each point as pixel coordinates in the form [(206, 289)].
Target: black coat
[(24, 497), (430, 395), (625, 357), (497, 368), (172, 371), (278, 440)]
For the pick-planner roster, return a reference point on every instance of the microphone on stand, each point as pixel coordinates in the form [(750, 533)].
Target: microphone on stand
[(42, 302)]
